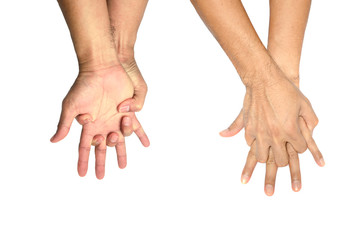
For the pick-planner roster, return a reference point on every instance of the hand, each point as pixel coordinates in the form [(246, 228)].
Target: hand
[(271, 167), (271, 116), (136, 103), (96, 94)]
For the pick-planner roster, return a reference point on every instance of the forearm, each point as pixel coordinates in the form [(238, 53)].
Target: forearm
[(230, 25), (288, 19), (89, 26), (125, 16)]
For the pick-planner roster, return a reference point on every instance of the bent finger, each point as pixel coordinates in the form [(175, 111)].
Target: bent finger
[(112, 139), (280, 154), (262, 151), (126, 126), (83, 118), (97, 140)]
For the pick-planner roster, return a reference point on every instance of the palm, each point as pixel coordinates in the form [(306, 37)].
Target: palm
[(98, 94)]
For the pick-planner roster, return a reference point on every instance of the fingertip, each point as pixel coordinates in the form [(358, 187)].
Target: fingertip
[(124, 109), (296, 186), (122, 164), (321, 162), (100, 176), (82, 171), (223, 132), (245, 178), (228, 132), (269, 190), (60, 134), (146, 143)]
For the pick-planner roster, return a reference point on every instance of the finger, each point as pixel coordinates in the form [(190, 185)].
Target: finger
[(249, 138), (134, 104), (126, 126), (97, 140), (112, 139), (139, 131), (140, 88), (100, 156), (84, 152), (270, 176), (84, 119), (311, 143), (121, 152), (235, 127), (249, 165), (280, 154), (294, 166), (308, 114), (262, 151), (67, 116), (297, 140)]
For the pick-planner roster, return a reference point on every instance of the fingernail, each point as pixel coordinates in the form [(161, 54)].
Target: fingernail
[(127, 121), (113, 139), (269, 189), (52, 138), (321, 162), (87, 120), (125, 109), (245, 178), (296, 185)]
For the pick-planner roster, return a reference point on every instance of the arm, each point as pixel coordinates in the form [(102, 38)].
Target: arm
[(101, 85), (286, 33), (126, 16), (287, 26), (89, 27), (125, 19), (272, 103)]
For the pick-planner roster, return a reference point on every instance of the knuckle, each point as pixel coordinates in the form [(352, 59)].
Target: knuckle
[(139, 106), (101, 150), (316, 121)]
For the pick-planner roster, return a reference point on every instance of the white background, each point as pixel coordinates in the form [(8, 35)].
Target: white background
[(186, 185)]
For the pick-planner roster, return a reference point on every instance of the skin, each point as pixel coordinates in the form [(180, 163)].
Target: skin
[(125, 17), (272, 105), (288, 20), (102, 84)]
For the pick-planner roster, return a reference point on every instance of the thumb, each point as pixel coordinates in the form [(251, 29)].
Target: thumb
[(67, 116), (235, 127)]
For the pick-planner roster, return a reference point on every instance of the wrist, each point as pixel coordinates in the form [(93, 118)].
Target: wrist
[(96, 59), (263, 74), (125, 54)]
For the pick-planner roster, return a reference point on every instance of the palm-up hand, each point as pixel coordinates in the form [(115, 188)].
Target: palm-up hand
[(94, 98)]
